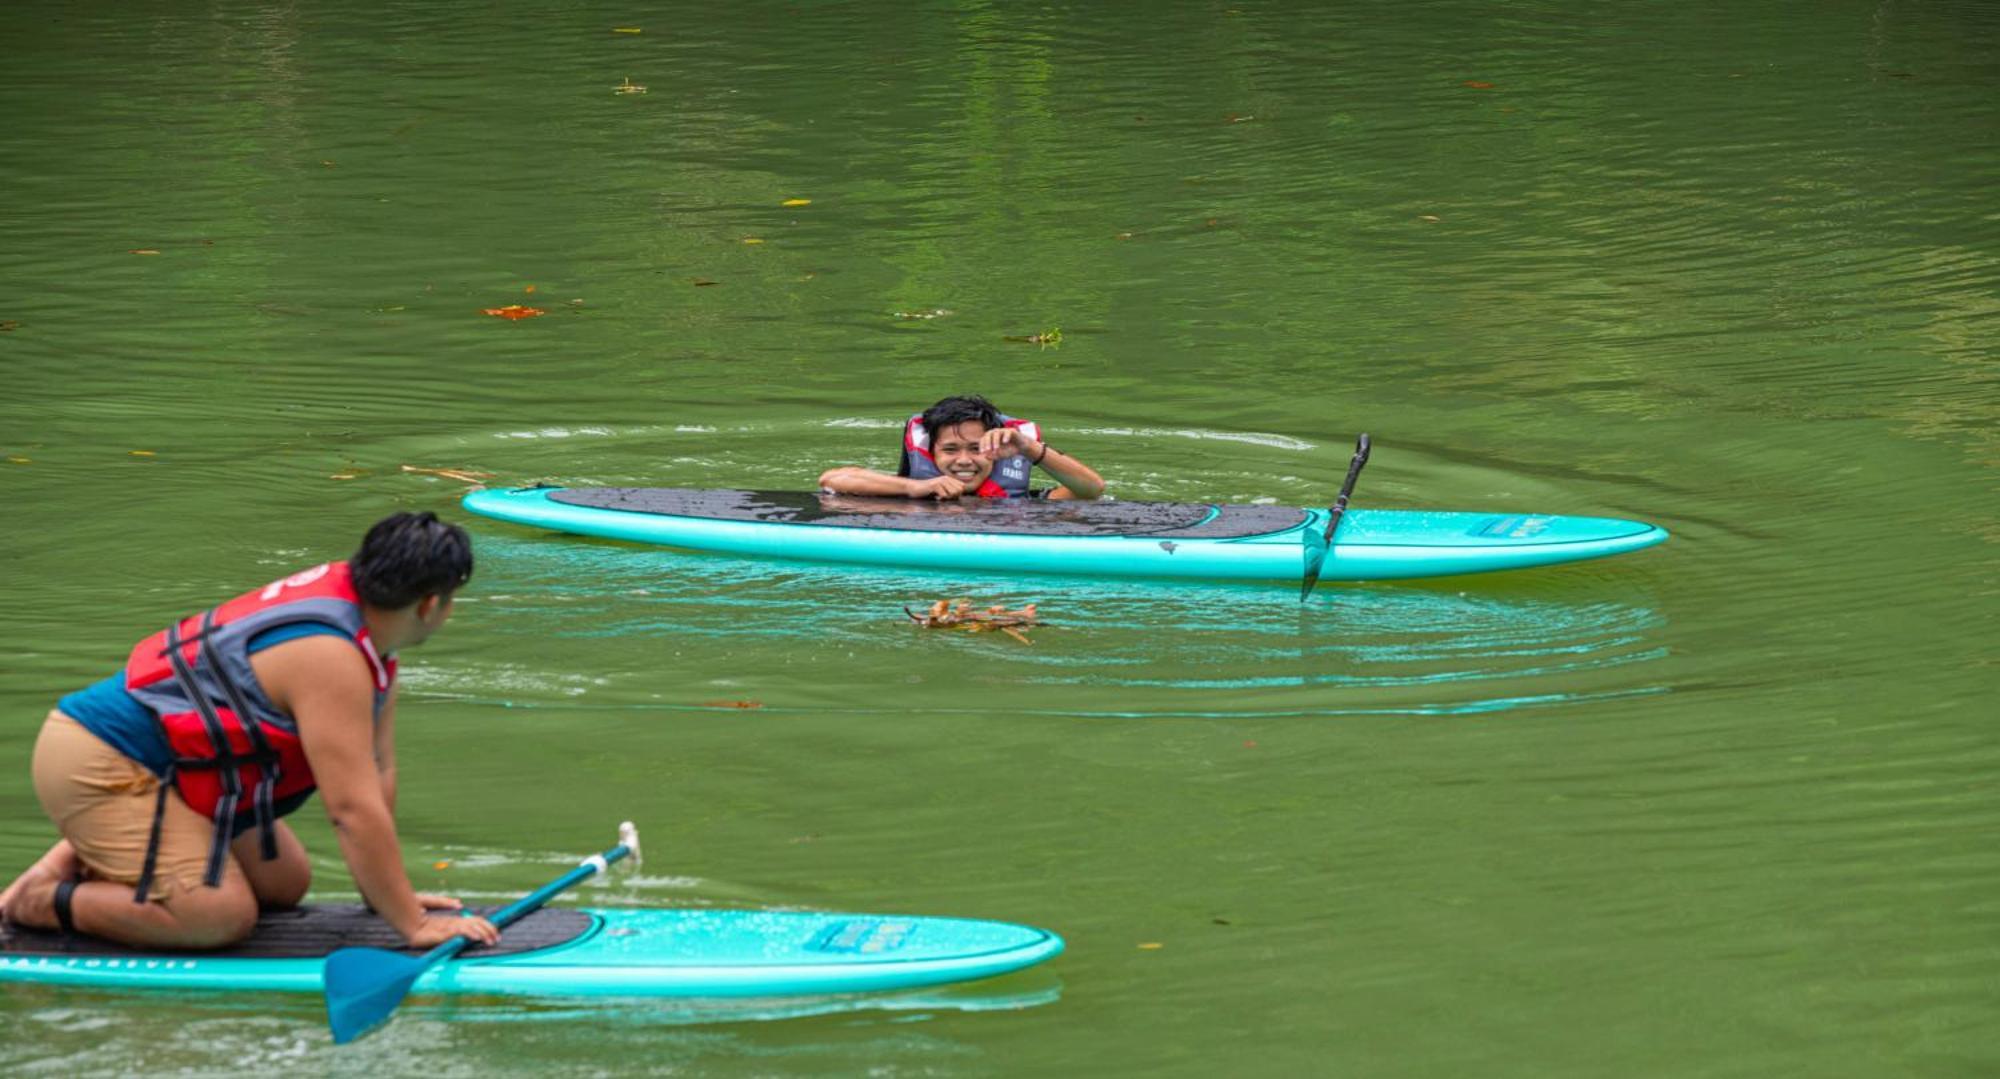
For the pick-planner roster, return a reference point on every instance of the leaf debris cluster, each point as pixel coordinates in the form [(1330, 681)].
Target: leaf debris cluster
[(945, 615)]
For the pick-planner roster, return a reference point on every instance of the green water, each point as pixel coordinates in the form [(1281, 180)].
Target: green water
[(1722, 808)]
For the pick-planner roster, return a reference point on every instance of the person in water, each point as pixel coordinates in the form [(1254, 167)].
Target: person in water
[(167, 780), (964, 446)]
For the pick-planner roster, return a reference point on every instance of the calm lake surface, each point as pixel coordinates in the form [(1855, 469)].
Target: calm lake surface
[(1721, 808)]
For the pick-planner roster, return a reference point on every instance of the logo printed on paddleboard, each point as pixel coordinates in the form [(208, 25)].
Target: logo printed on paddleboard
[(861, 937), (1514, 527)]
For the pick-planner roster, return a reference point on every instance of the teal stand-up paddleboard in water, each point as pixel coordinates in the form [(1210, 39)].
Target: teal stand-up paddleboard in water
[(560, 952), (1102, 539), (364, 969)]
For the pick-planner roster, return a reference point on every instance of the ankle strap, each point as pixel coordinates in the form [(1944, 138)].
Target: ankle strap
[(64, 891)]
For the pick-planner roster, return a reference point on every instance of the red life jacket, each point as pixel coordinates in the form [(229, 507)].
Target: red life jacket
[(1009, 478), (228, 740)]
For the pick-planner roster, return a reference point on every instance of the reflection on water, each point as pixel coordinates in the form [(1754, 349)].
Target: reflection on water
[(1196, 648), (63, 1032)]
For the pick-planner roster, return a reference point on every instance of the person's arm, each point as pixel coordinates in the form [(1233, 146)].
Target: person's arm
[(1079, 480), (385, 750), (855, 480), (327, 687)]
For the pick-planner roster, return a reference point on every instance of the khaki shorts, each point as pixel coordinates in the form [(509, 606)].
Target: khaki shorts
[(102, 802)]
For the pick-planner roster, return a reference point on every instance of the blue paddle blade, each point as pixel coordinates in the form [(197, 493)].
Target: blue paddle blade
[(363, 987)]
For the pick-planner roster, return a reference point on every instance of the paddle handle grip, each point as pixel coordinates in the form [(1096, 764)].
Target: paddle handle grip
[(528, 904)]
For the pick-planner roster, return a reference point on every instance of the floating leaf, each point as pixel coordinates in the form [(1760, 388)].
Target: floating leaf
[(1429, 217), (796, 202), (732, 704), (20, 460), (1475, 84), (514, 310), (349, 474), (628, 87), (441, 865), (944, 615), (530, 290), (460, 474), (752, 240), (144, 251), (140, 453), (626, 30), (1047, 338), (1151, 946), (8, 324), (326, 165), (703, 282)]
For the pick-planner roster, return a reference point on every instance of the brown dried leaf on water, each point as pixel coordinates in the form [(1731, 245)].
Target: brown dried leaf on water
[(628, 87), (703, 282), (462, 475), (8, 324), (732, 704), (944, 614), (1475, 84), (513, 311), (144, 251)]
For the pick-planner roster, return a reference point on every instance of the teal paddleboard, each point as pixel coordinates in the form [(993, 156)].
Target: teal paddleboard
[(1110, 538), (574, 953)]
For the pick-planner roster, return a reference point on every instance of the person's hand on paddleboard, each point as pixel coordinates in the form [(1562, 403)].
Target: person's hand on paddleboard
[(436, 928), (433, 901), (941, 488), (1001, 443)]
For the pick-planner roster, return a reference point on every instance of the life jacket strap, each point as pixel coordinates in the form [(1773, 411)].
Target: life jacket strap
[(268, 766), (152, 861)]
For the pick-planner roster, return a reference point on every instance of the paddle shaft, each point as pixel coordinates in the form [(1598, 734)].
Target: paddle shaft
[(1333, 516), (1347, 487), (528, 904)]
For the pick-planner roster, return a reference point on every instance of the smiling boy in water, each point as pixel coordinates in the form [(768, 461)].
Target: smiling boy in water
[(964, 446)]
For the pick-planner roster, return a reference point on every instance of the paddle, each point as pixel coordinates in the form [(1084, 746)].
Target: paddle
[(1316, 552), (364, 985)]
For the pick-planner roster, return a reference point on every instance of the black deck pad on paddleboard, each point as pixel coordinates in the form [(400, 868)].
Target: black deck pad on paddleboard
[(1014, 516), (312, 931)]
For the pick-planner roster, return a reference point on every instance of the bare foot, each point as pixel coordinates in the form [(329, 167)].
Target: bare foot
[(31, 901), (60, 863)]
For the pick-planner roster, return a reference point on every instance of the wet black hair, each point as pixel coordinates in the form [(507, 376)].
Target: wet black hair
[(951, 412), (407, 556)]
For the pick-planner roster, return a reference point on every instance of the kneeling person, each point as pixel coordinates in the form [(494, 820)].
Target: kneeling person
[(964, 446), (168, 779)]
